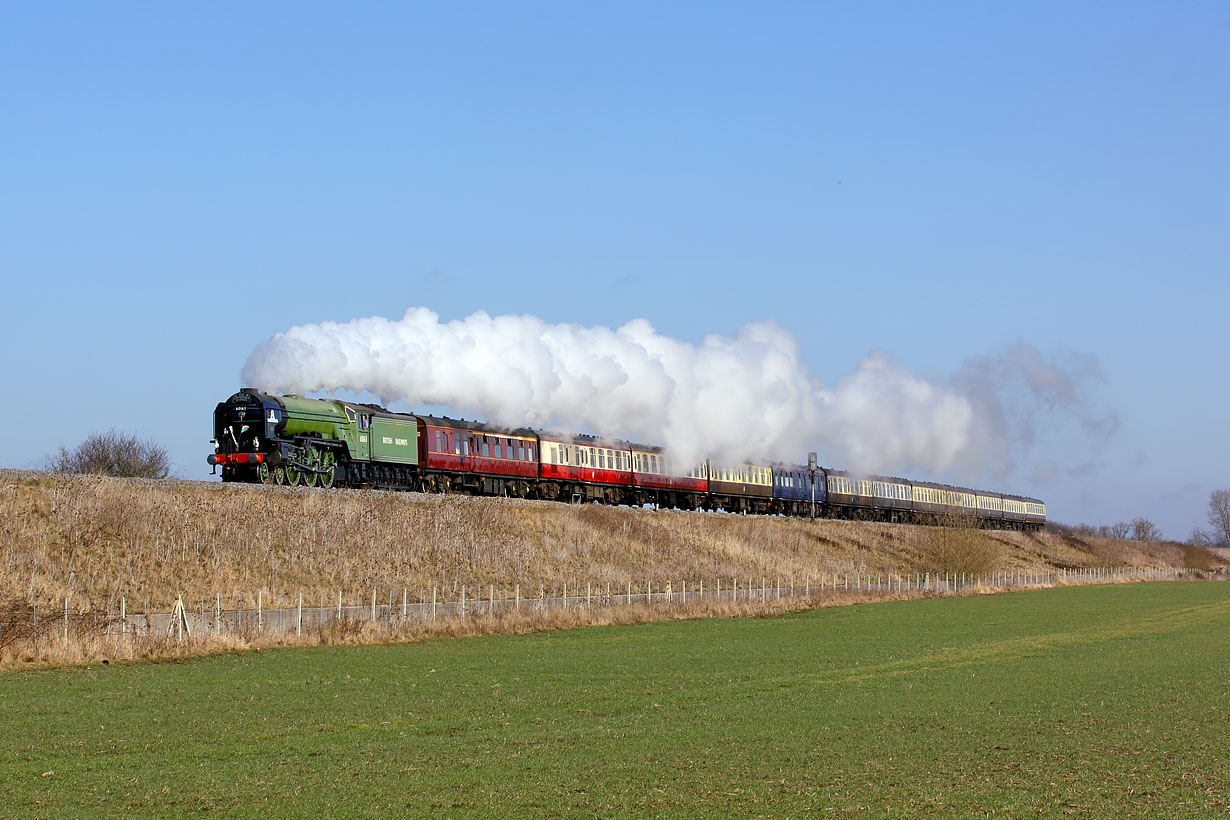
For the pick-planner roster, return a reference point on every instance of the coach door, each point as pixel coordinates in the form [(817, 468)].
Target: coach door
[(465, 449)]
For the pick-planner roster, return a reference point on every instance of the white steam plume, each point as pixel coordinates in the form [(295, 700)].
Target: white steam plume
[(743, 396)]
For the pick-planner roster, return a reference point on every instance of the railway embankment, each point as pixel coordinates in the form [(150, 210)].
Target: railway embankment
[(93, 568), (94, 538)]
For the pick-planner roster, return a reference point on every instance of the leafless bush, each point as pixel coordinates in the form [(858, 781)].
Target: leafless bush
[(114, 454), (1202, 559), (960, 549), (1145, 530)]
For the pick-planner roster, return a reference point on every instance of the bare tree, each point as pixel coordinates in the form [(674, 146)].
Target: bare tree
[(1219, 516), (1145, 530), (115, 454), (1200, 538), (1119, 530)]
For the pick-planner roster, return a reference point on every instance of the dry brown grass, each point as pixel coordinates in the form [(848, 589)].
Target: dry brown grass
[(95, 539), (86, 644)]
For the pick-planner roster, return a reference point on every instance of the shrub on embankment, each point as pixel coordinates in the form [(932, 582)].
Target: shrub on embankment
[(100, 538)]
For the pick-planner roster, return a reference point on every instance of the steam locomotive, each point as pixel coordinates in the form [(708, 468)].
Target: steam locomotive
[(294, 440)]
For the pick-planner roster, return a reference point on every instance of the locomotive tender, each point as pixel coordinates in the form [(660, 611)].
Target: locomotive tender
[(293, 440)]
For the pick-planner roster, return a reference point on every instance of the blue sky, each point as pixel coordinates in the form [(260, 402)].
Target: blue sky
[(939, 182)]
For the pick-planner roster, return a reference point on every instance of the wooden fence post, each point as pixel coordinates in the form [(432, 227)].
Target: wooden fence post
[(299, 622)]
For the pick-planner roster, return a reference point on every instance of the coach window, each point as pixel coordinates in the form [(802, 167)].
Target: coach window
[(520, 453), (486, 448)]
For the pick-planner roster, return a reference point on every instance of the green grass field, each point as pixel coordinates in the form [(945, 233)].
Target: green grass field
[(1088, 702)]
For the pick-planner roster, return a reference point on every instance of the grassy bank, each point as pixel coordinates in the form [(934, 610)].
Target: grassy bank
[(96, 539)]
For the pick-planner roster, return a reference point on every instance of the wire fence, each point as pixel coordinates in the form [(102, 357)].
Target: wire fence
[(264, 613)]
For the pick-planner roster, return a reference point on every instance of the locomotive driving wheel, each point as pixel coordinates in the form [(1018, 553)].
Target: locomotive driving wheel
[(311, 458), (293, 476), (264, 474), (328, 468)]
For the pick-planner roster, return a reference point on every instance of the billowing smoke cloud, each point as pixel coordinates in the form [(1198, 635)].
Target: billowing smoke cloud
[(746, 395)]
